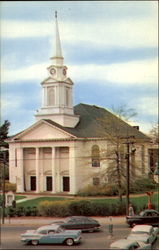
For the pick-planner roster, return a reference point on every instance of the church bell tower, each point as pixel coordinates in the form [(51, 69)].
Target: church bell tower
[(57, 103)]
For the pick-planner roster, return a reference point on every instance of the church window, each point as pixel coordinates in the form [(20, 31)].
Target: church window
[(50, 96), (95, 156)]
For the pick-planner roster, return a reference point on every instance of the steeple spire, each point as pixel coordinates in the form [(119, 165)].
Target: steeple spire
[(57, 58), (57, 90)]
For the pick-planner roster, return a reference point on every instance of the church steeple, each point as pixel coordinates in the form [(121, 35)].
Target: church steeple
[(57, 90), (57, 58)]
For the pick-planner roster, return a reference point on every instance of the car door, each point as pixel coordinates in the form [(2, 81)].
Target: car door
[(70, 224), (87, 223), (147, 218), (54, 237), (76, 223), (155, 218)]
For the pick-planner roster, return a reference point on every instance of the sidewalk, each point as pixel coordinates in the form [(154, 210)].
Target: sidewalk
[(29, 220)]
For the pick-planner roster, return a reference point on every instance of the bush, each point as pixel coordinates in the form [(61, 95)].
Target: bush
[(54, 208), (21, 211), (101, 190), (142, 185), (80, 207)]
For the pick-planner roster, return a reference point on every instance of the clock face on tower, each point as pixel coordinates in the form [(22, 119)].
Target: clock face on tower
[(52, 71)]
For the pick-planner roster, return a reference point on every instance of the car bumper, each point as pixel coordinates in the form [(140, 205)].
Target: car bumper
[(77, 240)]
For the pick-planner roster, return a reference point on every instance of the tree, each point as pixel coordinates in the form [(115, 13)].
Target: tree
[(124, 112), (117, 150), (154, 133), (4, 129)]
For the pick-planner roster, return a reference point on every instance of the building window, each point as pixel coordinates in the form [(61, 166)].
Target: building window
[(95, 156), (96, 181), (50, 96)]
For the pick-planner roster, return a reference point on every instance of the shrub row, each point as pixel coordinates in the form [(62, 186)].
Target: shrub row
[(21, 211), (80, 207), (73, 207)]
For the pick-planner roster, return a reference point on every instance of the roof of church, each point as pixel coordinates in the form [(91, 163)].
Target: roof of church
[(98, 122)]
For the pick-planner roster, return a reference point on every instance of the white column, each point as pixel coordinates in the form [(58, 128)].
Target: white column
[(72, 169), (20, 171), (53, 171), (37, 167)]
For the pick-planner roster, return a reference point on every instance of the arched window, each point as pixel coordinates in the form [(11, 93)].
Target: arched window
[(95, 156), (50, 96)]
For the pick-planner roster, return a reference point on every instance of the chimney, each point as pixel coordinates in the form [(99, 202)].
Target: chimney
[(137, 127)]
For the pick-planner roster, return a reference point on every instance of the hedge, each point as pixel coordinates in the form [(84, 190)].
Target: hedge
[(80, 207)]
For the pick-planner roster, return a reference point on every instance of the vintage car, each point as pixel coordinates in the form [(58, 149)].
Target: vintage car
[(143, 233), (129, 245), (79, 222), (148, 217), (51, 234)]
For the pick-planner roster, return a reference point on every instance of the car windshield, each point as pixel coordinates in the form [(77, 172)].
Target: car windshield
[(41, 231)]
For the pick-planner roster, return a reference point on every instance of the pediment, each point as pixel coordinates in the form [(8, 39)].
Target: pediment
[(49, 80), (42, 131), (54, 80), (69, 81)]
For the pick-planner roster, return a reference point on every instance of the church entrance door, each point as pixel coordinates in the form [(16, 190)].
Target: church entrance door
[(48, 183), (66, 184), (33, 183)]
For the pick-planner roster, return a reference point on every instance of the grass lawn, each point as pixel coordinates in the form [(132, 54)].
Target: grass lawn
[(35, 202), (19, 197), (138, 201)]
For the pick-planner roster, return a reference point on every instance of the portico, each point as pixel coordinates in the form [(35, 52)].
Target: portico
[(45, 169)]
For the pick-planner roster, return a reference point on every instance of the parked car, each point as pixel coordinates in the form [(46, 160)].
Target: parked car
[(129, 245), (148, 217), (51, 234), (143, 233), (79, 222)]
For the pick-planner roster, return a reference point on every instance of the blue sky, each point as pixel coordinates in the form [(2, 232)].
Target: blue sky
[(109, 47)]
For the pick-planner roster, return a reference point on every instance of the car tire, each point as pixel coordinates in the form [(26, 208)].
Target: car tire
[(35, 242), (69, 242)]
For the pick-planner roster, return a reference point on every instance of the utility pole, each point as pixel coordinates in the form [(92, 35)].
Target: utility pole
[(3, 190), (130, 141), (4, 151), (127, 177)]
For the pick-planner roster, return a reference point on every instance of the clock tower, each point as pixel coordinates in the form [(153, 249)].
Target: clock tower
[(57, 104)]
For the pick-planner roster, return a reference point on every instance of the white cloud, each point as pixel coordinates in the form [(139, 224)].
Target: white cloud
[(135, 72), (124, 33), (33, 72), (18, 29), (148, 105)]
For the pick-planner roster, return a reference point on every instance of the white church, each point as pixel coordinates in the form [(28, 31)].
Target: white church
[(65, 149)]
